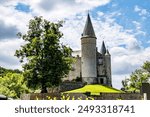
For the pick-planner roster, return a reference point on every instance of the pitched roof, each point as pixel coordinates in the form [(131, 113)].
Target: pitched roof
[(103, 48), (88, 29)]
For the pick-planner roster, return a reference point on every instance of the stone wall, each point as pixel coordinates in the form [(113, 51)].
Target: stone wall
[(108, 96), (119, 96), (146, 89), (75, 72), (85, 96), (76, 69), (67, 86), (40, 96)]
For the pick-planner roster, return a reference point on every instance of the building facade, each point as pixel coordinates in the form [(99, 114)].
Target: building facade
[(91, 66)]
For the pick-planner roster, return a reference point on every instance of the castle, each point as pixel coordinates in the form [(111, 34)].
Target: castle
[(92, 66)]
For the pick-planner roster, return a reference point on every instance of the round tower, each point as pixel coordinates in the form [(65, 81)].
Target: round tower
[(108, 68), (88, 49)]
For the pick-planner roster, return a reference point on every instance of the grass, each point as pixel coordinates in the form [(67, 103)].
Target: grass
[(95, 89)]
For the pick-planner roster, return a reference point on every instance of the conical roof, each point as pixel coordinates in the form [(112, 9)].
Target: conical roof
[(88, 29), (103, 48), (107, 52)]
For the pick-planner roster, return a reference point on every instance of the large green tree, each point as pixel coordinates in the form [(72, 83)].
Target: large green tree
[(13, 85), (138, 77), (47, 61)]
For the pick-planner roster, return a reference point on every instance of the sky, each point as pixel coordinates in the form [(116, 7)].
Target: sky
[(122, 24)]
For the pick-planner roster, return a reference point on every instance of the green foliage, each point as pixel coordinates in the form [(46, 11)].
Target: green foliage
[(64, 97), (146, 66), (13, 85), (4, 71), (47, 60), (138, 77)]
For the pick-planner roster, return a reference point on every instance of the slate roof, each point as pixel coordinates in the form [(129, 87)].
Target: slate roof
[(103, 48), (88, 29)]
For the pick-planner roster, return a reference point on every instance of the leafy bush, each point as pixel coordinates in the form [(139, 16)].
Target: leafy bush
[(13, 85)]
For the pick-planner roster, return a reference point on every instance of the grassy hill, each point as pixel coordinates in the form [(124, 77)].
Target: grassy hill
[(95, 89)]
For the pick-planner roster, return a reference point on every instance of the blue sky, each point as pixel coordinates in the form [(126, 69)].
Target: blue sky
[(122, 24), (23, 7), (128, 14)]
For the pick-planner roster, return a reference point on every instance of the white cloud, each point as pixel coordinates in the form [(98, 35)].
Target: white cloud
[(7, 51), (141, 11), (63, 9), (93, 2), (136, 8), (114, 34), (117, 80), (99, 13), (12, 17), (138, 28), (124, 63), (137, 24), (7, 31)]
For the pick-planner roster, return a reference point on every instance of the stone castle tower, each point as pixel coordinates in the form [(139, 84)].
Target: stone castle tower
[(104, 66), (92, 66), (88, 57)]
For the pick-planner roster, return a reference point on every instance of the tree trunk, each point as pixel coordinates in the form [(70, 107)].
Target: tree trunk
[(44, 89)]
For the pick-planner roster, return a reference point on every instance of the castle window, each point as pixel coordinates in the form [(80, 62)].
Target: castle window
[(100, 61)]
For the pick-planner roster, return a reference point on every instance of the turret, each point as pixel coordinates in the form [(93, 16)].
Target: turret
[(88, 49), (103, 49), (104, 66), (108, 67)]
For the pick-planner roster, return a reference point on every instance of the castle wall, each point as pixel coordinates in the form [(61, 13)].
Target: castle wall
[(81, 96), (76, 69), (67, 86), (101, 68)]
